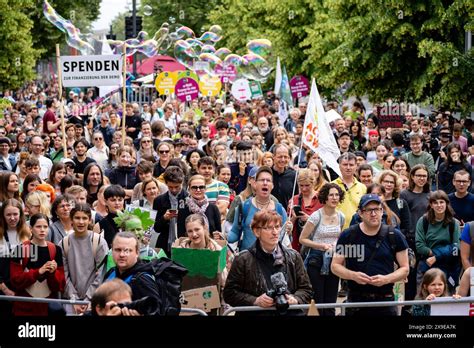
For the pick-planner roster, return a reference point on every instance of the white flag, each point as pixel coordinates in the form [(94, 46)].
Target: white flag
[(317, 133), (277, 77)]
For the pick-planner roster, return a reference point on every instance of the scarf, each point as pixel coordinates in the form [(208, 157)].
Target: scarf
[(173, 222), (198, 207)]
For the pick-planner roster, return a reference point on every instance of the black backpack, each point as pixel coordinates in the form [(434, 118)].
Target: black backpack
[(168, 276)]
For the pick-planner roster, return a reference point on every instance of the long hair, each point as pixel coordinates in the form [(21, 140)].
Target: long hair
[(201, 219), (22, 228), (56, 167), (4, 181), (428, 278), (39, 198), (87, 170), (29, 179), (449, 160), (411, 185), (448, 214)]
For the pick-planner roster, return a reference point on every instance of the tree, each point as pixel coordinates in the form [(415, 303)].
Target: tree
[(190, 13), (45, 35), (18, 57), (118, 26), (403, 50)]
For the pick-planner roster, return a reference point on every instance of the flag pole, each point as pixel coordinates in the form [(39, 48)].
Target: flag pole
[(124, 91), (60, 87)]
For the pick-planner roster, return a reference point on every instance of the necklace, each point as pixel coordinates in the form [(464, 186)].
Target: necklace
[(332, 218), (262, 205)]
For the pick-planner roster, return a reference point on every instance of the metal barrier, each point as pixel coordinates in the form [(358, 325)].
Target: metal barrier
[(77, 302), (142, 94), (345, 305)]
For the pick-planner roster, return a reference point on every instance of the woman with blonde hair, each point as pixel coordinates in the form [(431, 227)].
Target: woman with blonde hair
[(303, 204), (279, 134), (318, 172), (37, 202)]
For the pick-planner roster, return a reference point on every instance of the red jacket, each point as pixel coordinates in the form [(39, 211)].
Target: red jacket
[(21, 280)]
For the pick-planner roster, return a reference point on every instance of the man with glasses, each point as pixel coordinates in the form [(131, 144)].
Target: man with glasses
[(36, 150), (418, 156), (105, 128), (7, 160), (170, 208), (365, 255), (462, 201)]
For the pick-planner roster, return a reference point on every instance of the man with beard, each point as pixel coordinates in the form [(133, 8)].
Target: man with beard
[(81, 160), (266, 132)]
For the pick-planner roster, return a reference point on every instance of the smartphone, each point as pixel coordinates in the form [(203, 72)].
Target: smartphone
[(297, 210), (173, 211)]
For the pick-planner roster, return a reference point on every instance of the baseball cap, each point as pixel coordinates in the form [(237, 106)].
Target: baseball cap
[(344, 133), (360, 154), (253, 172), (368, 198)]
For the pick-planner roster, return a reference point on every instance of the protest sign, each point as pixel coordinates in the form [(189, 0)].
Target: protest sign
[(85, 71), (241, 90), (256, 90), (299, 86), (187, 89), (165, 82), (210, 86)]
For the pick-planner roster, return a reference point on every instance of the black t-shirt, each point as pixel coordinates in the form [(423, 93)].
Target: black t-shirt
[(359, 253), (135, 122), (43, 256), (81, 166)]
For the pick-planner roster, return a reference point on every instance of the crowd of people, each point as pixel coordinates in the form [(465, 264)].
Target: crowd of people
[(235, 172)]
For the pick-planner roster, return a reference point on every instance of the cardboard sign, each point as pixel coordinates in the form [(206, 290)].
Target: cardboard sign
[(256, 90), (187, 89), (202, 262), (241, 90), (87, 71), (210, 86), (299, 86), (206, 298), (227, 72), (165, 82)]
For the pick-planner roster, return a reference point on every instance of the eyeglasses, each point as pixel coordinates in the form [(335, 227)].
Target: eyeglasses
[(164, 151), (126, 251), (196, 188), (462, 182), (98, 138), (373, 211), (388, 182)]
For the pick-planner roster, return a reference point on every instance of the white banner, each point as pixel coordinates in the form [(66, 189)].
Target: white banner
[(91, 71), (317, 133)]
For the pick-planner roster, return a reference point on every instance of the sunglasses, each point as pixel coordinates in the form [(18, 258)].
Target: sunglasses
[(196, 188), (164, 151), (146, 141), (98, 138)]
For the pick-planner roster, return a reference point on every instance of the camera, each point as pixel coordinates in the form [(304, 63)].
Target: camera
[(278, 292), (145, 306)]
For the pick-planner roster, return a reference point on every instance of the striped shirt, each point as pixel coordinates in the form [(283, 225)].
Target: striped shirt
[(217, 191)]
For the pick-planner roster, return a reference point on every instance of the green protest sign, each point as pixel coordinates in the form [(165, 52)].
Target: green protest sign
[(256, 90)]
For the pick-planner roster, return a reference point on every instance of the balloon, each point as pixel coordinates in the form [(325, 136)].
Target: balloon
[(185, 54), (223, 52), (74, 37), (262, 47), (147, 10)]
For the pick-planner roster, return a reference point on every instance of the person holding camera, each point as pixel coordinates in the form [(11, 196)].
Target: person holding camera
[(111, 299), (267, 274)]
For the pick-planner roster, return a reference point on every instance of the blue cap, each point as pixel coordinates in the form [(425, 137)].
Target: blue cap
[(368, 198), (253, 172)]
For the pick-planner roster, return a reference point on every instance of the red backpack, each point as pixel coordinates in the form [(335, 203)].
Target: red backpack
[(26, 251)]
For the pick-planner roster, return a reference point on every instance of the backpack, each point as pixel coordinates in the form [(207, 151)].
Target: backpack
[(471, 234), (168, 276), (451, 228), (389, 231), (95, 240), (26, 248)]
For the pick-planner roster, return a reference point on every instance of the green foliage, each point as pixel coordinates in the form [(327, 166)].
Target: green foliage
[(17, 58), (398, 49), (191, 13), (45, 35), (118, 26)]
